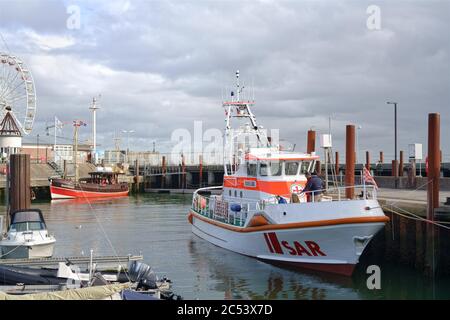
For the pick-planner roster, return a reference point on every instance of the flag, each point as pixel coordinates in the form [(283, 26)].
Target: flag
[(79, 123), (58, 124), (368, 177)]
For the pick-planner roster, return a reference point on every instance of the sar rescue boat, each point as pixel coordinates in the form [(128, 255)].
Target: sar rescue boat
[(327, 234)]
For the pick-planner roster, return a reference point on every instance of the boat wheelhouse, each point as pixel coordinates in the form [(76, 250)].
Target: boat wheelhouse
[(262, 211)]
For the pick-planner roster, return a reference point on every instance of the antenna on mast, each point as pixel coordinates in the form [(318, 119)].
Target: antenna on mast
[(94, 108), (237, 86)]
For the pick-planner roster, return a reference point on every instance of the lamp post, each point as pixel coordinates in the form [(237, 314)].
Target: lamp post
[(127, 132), (395, 137)]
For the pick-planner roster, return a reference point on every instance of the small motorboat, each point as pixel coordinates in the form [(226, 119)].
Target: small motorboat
[(141, 283), (27, 236)]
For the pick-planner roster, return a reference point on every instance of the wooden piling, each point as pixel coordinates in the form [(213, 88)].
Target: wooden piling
[(183, 172), (65, 169), (394, 171), (434, 168), (336, 164), (136, 174), (434, 164), (20, 189), (200, 159), (311, 141), (367, 160), (401, 165), (350, 161), (163, 172), (318, 168)]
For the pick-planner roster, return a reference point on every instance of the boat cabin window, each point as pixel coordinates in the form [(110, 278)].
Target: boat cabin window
[(275, 168), (291, 168), (251, 169), (263, 169), (27, 226), (305, 167)]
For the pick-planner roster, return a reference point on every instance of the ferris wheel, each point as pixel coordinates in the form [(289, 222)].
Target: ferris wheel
[(17, 91)]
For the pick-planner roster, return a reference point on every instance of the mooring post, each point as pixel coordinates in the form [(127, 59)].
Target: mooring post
[(65, 169), (20, 190), (395, 171), (183, 172), (200, 161), (350, 161), (434, 164), (136, 173), (367, 160), (336, 164), (163, 172), (318, 168), (401, 165), (311, 142), (434, 168)]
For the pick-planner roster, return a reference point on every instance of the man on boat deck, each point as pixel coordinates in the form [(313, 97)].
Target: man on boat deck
[(314, 186)]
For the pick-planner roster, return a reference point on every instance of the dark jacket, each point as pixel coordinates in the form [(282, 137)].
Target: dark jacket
[(314, 184)]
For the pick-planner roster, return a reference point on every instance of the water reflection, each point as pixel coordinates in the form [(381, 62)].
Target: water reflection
[(240, 277)]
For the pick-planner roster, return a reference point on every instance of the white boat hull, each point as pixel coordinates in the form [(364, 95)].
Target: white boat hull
[(325, 245), (30, 251)]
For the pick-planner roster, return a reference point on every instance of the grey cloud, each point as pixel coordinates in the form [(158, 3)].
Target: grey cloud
[(307, 61)]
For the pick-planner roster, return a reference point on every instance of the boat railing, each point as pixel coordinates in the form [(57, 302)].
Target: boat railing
[(329, 194), (236, 212), (214, 207)]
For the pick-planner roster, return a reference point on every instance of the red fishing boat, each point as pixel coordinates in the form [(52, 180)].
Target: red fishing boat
[(100, 184)]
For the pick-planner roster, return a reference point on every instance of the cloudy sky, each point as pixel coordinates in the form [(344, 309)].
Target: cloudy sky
[(161, 65)]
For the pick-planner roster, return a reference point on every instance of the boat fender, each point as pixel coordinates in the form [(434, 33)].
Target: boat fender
[(203, 203), (235, 207)]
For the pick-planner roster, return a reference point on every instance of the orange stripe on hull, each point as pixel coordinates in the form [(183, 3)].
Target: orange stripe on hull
[(72, 193), (295, 225)]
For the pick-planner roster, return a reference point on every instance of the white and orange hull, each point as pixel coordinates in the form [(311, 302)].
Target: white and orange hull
[(68, 193), (329, 245)]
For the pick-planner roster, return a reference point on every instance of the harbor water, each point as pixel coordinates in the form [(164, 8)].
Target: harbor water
[(156, 226)]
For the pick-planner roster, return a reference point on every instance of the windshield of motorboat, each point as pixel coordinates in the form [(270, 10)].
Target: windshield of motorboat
[(27, 226)]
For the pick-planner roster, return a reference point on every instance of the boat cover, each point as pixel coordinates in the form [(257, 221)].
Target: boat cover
[(29, 215), (133, 295), (90, 293)]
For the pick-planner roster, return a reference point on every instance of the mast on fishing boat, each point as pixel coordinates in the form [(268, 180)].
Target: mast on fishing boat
[(76, 125)]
